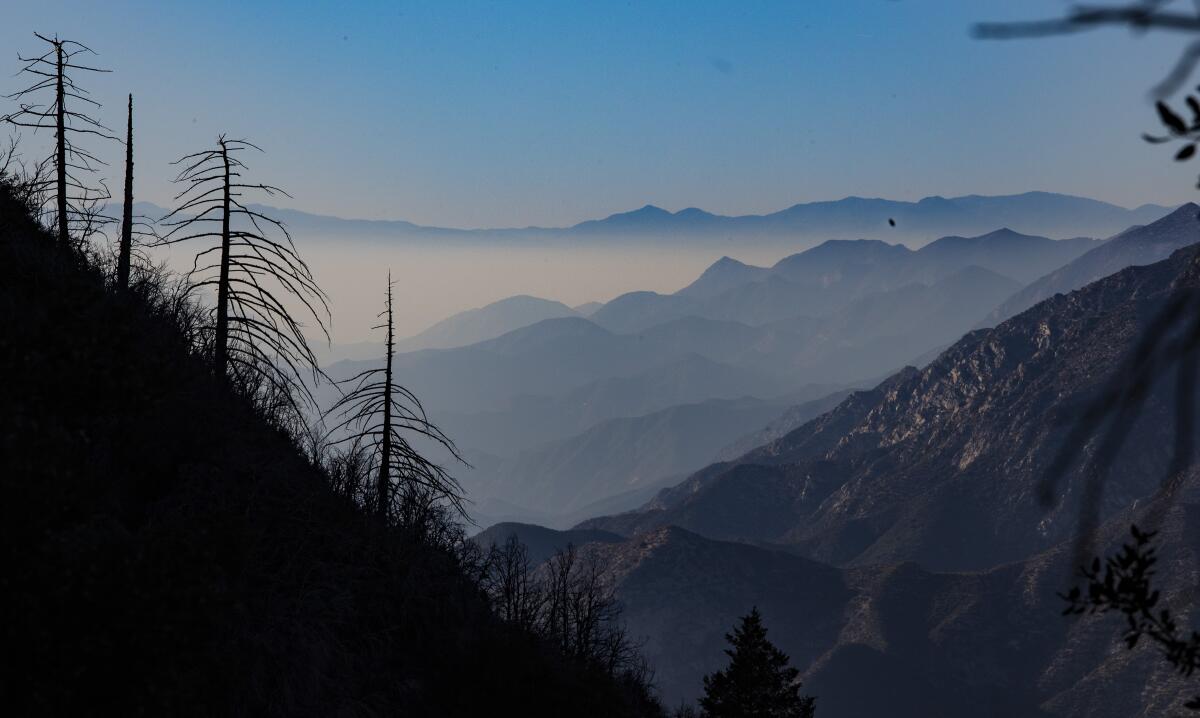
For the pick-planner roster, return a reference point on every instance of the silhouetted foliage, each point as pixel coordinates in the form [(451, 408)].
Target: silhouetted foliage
[(758, 682), (77, 202), (378, 413), (1124, 583), (257, 341), (569, 602), (1139, 16)]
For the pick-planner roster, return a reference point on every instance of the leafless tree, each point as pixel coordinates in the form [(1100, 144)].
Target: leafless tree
[(253, 265), (1140, 16), (25, 182), (380, 415), (136, 232), (510, 584), (77, 200)]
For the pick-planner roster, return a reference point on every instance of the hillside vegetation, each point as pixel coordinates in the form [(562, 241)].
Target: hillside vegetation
[(170, 549)]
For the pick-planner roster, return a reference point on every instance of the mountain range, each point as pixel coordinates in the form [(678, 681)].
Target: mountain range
[(1044, 213), (1135, 246), (900, 535), (557, 416)]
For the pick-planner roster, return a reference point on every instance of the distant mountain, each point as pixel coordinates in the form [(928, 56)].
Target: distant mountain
[(820, 281), (1134, 247), (587, 308), (635, 311), (488, 322), (787, 422), (940, 465), (1040, 213), (528, 421), (723, 275), (1005, 252), (621, 455)]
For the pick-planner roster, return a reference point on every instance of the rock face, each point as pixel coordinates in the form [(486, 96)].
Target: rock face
[(941, 466)]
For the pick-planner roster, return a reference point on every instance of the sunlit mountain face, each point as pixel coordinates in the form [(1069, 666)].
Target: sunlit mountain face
[(549, 359)]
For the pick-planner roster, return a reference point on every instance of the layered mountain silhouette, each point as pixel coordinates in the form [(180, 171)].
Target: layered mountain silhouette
[(488, 322), (899, 535), (528, 405), (818, 281), (1135, 246), (1044, 213), (940, 465)]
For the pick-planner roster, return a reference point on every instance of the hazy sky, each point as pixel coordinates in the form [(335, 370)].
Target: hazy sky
[(515, 113)]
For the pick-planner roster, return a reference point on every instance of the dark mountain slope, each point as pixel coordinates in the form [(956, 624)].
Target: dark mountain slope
[(167, 551), (1134, 247), (902, 641), (940, 465)]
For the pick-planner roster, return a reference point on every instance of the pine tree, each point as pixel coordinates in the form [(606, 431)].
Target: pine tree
[(758, 682)]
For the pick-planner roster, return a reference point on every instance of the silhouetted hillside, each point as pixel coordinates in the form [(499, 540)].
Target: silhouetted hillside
[(168, 552)]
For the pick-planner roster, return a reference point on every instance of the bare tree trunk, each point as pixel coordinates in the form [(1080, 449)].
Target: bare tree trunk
[(61, 148), (384, 487), (221, 340), (123, 258)]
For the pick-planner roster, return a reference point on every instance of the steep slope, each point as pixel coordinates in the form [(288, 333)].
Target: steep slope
[(902, 641), (489, 322), (787, 422), (1134, 247), (167, 550), (940, 465)]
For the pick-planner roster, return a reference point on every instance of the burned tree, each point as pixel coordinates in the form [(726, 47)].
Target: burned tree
[(76, 201), (252, 265), (126, 247), (378, 413)]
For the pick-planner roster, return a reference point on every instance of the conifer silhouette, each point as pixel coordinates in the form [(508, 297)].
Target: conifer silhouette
[(758, 682)]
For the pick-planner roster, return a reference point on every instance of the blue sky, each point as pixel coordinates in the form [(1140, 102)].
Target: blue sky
[(515, 113)]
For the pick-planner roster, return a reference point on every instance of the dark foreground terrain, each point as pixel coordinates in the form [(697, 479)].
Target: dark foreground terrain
[(168, 551)]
